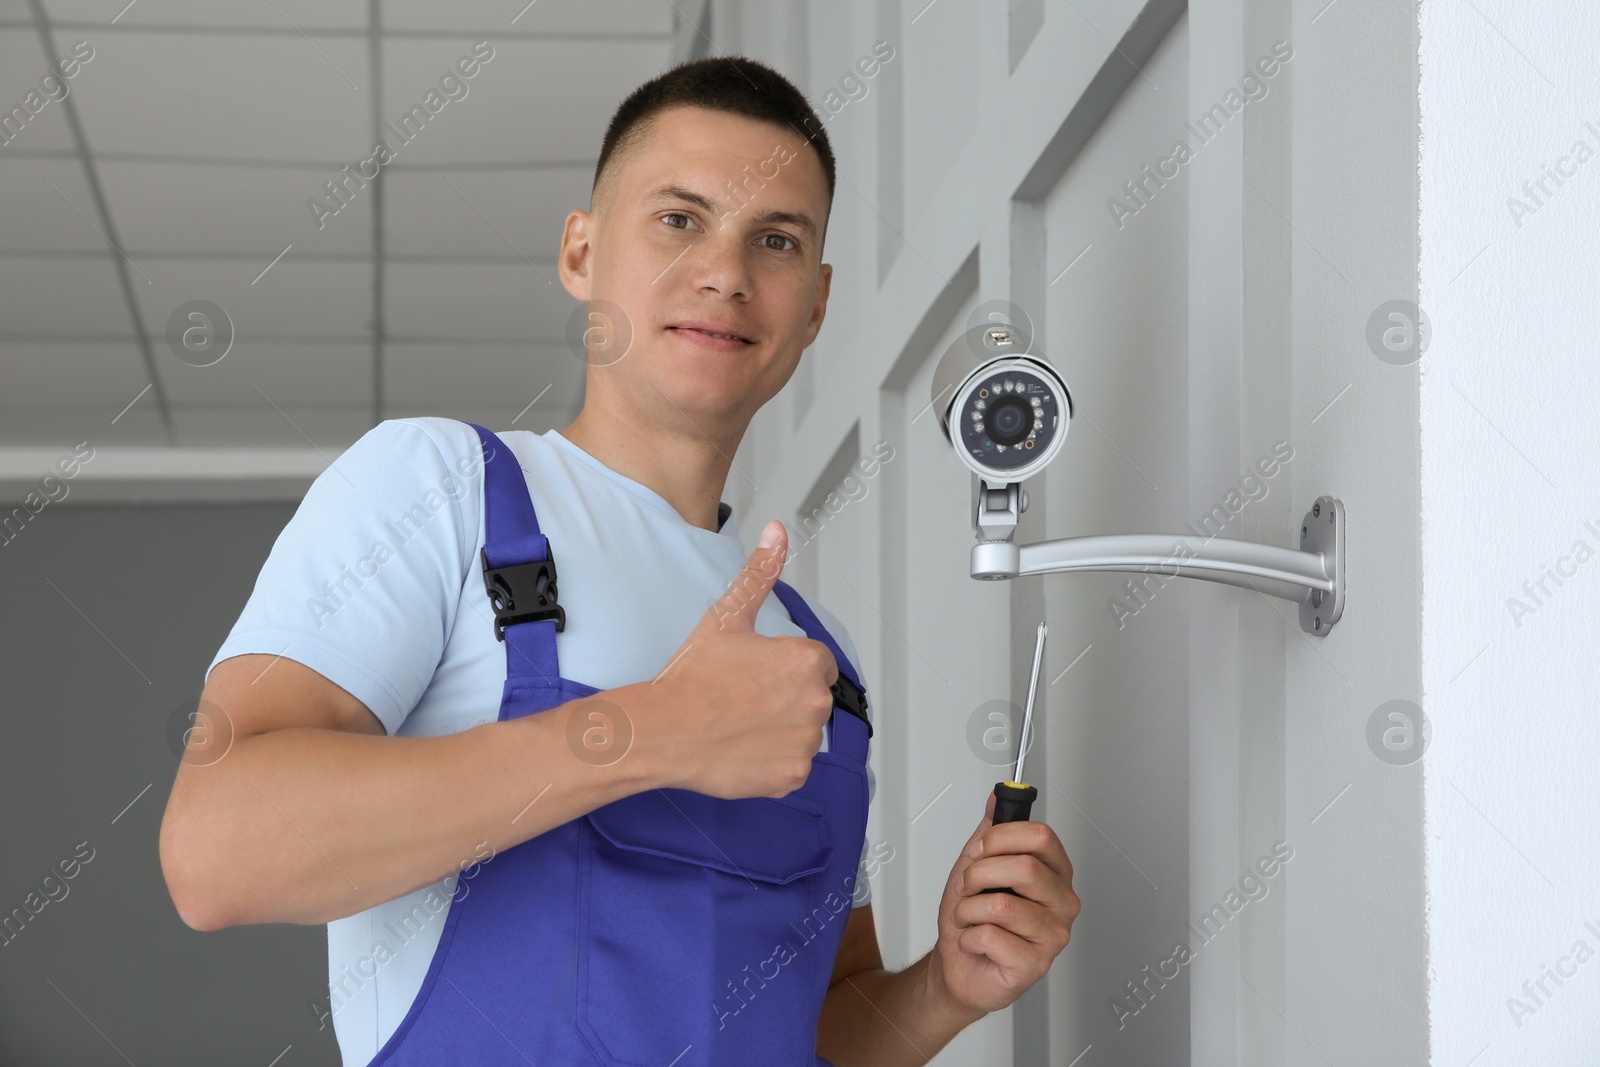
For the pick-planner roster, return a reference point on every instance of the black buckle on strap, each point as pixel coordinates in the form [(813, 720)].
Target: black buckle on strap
[(850, 697), (522, 592)]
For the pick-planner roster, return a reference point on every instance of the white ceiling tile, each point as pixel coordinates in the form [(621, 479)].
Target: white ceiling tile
[(38, 217), (455, 373), (487, 213), (547, 16), (248, 97), (521, 105), (469, 300), (199, 82), (295, 298), (103, 376), (287, 375), (253, 211), (304, 14), (260, 426), (54, 296)]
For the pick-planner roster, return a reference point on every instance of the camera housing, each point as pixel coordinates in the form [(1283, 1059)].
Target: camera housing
[(1004, 409)]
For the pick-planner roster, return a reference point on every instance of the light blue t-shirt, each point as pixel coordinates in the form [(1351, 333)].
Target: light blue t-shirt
[(376, 583)]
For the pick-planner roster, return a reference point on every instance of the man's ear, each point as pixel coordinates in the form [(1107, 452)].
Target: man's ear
[(575, 259), (819, 309)]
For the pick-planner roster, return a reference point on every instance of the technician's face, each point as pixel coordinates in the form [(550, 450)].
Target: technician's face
[(708, 225)]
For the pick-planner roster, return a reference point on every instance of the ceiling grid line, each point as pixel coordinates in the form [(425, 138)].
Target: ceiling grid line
[(375, 50), (294, 164), (41, 23), (431, 258), (567, 37)]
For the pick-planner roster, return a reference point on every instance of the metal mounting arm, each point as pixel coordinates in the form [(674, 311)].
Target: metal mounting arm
[(1311, 576)]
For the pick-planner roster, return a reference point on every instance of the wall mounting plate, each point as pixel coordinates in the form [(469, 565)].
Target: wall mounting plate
[(1322, 531)]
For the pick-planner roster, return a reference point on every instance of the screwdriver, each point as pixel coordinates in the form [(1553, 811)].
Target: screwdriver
[(1013, 800)]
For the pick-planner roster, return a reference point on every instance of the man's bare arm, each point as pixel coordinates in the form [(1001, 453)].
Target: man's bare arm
[(879, 1017), (315, 813)]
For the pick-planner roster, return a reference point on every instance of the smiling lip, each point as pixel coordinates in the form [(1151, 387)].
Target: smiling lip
[(713, 332)]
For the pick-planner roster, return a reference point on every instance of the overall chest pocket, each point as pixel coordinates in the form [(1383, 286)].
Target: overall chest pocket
[(692, 918)]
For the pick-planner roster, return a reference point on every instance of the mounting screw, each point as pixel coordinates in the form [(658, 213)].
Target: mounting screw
[(1316, 509), (1318, 622)]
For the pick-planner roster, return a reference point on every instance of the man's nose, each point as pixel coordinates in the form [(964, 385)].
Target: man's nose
[(721, 262)]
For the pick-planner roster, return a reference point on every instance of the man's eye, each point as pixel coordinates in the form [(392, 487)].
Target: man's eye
[(781, 237), (675, 215)]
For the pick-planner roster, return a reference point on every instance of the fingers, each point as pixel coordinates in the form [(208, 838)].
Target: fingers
[(737, 608), (1012, 954), (1026, 857), (1026, 875), (1044, 920), (1028, 838), (1022, 874)]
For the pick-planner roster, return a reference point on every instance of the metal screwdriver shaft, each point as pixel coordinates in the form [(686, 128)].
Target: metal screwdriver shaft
[(1013, 800)]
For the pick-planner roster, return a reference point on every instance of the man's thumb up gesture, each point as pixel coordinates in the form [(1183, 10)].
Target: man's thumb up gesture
[(735, 713), (735, 611)]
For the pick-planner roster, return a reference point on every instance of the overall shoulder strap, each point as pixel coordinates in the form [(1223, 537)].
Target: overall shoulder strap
[(519, 569), (847, 733)]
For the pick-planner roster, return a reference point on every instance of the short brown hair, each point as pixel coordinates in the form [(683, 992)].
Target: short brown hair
[(738, 85)]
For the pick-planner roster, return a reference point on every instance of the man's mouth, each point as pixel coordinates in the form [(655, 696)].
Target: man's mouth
[(710, 331)]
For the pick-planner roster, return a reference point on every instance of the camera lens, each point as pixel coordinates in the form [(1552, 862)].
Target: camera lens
[(1008, 420), (1008, 414)]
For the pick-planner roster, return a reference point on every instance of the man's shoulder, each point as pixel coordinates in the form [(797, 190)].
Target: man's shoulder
[(427, 447), (398, 476), (456, 440), (452, 438)]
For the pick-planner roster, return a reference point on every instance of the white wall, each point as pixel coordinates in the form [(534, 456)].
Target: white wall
[(1355, 944), (1118, 723), (1218, 321), (1509, 391)]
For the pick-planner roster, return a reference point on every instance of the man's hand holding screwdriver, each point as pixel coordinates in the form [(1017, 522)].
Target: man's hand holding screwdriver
[(993, 946)]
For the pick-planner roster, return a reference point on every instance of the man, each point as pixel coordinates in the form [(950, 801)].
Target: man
[(603, 889)]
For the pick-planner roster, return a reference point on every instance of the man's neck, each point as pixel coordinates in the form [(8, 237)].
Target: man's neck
[(687, 469)]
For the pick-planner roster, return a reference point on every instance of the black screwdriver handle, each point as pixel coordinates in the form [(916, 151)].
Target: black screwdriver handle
[(1013, 802)]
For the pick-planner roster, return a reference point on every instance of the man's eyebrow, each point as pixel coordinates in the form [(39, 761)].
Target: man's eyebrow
[(799, 222), (678, 192)]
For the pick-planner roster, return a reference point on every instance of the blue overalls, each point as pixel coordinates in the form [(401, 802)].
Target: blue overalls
[(666, 929)]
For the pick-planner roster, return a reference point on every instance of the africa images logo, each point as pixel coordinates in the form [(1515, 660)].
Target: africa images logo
[(1254, 885), (1254, 85), (452, 86)]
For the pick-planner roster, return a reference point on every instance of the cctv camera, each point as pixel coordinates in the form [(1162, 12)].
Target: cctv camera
[(1004, 409)]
